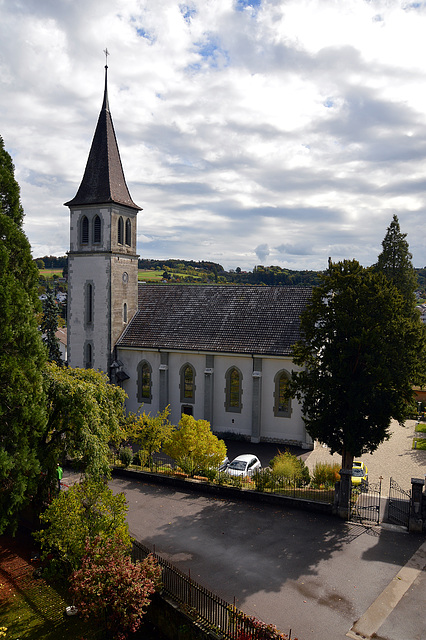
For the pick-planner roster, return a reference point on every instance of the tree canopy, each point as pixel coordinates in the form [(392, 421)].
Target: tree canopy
[(360, 353), (395, 263), (149, 432), (85, 413), (194, 446), (22, 355), (85, 511), (49, 326)]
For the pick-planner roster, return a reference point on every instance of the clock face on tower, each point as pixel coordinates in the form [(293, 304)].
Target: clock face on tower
[(125, 277)]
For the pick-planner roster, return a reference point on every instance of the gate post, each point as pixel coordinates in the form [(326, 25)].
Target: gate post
[(415, 522), (344, 506)]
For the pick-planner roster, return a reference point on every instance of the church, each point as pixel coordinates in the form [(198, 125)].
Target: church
[(216, 352)]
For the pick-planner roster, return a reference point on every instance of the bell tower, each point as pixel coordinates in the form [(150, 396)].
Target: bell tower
[(102, 260)]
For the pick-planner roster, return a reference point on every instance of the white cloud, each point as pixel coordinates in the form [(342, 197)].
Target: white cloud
[(279, 132)]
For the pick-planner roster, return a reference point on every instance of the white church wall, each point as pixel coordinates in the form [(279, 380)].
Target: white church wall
[(274, 428), (289, 430), (131, 359), (238, 422), (176, 361)]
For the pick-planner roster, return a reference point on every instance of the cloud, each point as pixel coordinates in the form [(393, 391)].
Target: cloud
[(297, 128), (262, 252)]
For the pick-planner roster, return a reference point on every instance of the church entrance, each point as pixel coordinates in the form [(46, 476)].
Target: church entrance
[(188, 409)]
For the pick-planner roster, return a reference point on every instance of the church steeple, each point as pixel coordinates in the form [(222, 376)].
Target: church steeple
[(103, 181)]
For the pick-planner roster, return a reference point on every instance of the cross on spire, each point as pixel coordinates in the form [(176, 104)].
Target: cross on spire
[(106, 52)]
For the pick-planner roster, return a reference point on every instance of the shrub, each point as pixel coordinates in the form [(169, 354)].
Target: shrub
[(264, 480), (126, 455), (290, 468), (325, 474), (110, 587)]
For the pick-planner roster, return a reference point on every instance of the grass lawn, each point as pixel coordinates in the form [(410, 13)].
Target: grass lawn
[(421, 444), (30, 607), (33, 609), (421, 427)]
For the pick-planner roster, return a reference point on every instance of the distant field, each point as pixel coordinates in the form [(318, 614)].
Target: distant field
[(49, 273), (151, 274)]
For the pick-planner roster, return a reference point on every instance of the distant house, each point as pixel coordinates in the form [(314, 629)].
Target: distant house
[(61, 334), (422, 309)]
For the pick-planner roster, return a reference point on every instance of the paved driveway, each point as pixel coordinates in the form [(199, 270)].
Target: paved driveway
[(394, 458), (311, 573)]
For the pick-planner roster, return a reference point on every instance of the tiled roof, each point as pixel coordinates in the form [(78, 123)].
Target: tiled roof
[(103, 181), (235, 319)]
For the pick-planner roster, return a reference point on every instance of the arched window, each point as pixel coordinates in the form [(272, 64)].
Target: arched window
[(144, 382), (120, 230), (125, 312), (89, 356), (97, 229), (233, 390), (187, 384), (128, 232), (89, 303), (282, 405), (84, 230)]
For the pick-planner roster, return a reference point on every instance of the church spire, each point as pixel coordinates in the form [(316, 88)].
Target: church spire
[(103, 180)]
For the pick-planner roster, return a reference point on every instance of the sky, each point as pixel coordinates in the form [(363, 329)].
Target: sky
[(273, 132)]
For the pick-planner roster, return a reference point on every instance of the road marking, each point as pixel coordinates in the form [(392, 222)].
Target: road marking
[(371, 621)]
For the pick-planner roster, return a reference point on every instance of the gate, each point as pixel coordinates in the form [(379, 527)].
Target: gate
[(399, 504), (365, 502)]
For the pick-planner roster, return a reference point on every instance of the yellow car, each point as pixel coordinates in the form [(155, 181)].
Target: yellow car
[(359, 473)]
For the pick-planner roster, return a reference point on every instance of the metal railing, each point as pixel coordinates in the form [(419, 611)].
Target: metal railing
[(204, 607), (263, 480)]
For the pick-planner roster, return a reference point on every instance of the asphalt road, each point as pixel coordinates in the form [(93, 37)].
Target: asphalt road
[(313, 574)]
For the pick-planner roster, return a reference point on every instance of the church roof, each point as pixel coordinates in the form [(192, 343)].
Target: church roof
[(103, 180), (233, 319)]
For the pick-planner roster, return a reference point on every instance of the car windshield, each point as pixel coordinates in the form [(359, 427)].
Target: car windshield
[(358, 471), (239, 465)]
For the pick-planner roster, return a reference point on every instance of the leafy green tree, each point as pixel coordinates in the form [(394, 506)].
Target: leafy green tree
[(360, 354), (85, 414), (49, 327), (110, 588), (22, 355), (194, 447), (395, 263), (84, 512), (150, 432)]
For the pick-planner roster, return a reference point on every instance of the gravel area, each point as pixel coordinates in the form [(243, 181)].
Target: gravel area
[(393, 459)]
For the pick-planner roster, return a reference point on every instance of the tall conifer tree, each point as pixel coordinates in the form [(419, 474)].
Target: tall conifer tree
[(395, 263), (49, 327), (22, 355)]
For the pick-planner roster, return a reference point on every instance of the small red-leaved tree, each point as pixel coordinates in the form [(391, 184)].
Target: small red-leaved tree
[(109, 586)]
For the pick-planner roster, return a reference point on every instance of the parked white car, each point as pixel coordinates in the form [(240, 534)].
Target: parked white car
[(245, 465)]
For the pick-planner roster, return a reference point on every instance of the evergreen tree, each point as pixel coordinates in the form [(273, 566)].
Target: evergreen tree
[(22, 355), (395, 263), (49, 327), (360, 354)]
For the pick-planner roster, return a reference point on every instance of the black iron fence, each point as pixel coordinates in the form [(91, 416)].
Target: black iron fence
[(264, 480), (399, 504), (366, 502), (205, 608)]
